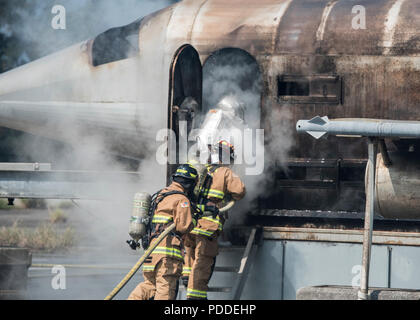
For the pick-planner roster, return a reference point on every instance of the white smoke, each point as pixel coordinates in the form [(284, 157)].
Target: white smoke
[(234, 74), (84, 20), (277, 144), (105, 222)]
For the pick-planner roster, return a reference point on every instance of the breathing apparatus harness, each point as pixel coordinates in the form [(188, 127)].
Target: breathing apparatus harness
[(206, 178), (203, 188), (153, 230)]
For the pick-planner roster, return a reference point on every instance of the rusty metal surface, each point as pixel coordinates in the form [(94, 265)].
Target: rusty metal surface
[(299, 38), (339, 235), (372, 87), (398, 187), (377, 70), (250, 25), (349, 293), (305, 27)]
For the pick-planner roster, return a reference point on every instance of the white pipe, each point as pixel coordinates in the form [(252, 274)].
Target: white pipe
[(363, 293)]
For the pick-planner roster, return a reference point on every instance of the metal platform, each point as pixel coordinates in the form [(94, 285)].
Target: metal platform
[(344, 220), (341, 236), (290, 258), (38, 180)]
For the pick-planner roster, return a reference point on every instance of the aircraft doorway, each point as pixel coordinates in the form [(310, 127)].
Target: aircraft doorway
[(233, 75), (185, 99)]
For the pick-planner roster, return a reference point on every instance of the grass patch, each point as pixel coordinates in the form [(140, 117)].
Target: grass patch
[(4, 204), (57, 216), (34, 203), (65, 205), (44, 238)]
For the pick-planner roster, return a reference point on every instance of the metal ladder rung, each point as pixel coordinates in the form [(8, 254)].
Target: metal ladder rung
[(246, 262), (211, 289), (220, 289), (230, 249), (226, 269)]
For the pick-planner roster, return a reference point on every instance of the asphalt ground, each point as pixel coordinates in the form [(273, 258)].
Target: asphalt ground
[(92, 268)]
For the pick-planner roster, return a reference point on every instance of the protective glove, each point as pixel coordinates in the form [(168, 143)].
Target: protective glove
[(133, 244)]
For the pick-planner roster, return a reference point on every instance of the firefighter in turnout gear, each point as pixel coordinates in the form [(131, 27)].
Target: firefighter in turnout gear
[(163, 268), (201, 244)]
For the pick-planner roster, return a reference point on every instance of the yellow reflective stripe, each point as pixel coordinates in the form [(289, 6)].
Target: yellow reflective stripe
[(202, 232), (161, 219), (193, 163), (216, 194), (148, 268), (209, 167), (196, 293), (201, 207), (215, 221), (185, 171), (186, 270), (217, 191), (194, 222), (168, 251)]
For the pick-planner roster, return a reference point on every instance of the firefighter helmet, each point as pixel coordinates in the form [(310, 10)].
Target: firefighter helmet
[(224, 151), (186, 171)]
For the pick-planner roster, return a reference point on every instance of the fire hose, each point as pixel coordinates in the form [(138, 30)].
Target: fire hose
[(148, 252)]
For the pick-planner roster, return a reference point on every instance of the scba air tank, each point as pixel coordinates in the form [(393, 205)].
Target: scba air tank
[(140, 216)]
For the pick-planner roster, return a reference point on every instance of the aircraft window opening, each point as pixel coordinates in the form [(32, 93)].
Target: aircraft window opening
[(290, 87), (309, 89), (116, 44)]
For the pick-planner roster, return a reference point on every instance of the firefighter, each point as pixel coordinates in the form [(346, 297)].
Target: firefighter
[(163, 268), (201, 244)]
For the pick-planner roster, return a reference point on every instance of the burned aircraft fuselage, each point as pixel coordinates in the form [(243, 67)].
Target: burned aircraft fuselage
[(335, 58)]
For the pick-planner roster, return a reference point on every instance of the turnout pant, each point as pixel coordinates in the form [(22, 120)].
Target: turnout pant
[(160, 284), (201, 252)]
